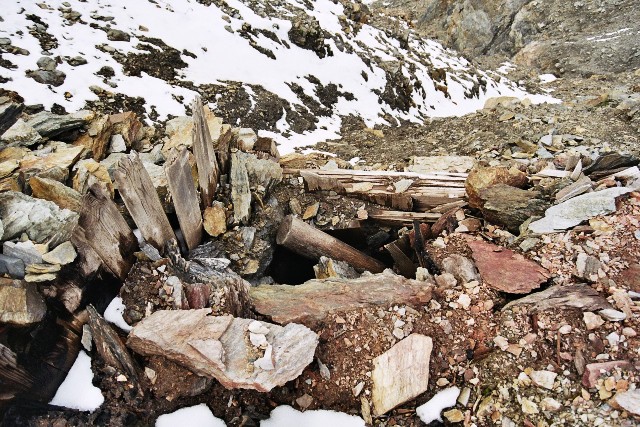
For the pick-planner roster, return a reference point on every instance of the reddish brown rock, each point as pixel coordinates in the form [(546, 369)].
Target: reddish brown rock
[(593, 371), (197, 295), (506, 271), (484, 177)]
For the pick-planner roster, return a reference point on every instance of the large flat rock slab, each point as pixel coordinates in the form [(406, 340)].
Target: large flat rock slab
[(239, 353), (310, 302), (401, 373), (20, 303), (505, 270)]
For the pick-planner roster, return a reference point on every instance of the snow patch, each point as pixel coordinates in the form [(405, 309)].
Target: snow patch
[(431, 410), (77, 390), (286, 416), (114, 312), (193, 416), (547, 78)]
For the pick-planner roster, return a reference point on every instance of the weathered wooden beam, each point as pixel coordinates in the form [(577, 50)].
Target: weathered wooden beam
[(111, 349), (185, 197), (208, 172), (111, 238), (142, 201), (406, 267), (312, 243), (88, 262), (425, 191), (400, 218)]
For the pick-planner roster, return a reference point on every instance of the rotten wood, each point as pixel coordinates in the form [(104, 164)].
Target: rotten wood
[(185, 197), (405, 266), (401, 218), (14, 378), (142, 201), (110, 347), (223, 149), (428, 191), (88, 263), (208, 172), (312, 243), (111, 238)]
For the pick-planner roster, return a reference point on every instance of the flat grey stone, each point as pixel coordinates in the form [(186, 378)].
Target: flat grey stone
[(12, 266), (63, 254), (581, 208), (26, 251)]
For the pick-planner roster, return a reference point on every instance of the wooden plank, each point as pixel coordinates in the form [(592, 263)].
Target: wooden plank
[(142, 201), (88, 262), (185, 197), (110, 237), (427, 191), (208, 172), (400, 218), (312, 243), (402, 261)]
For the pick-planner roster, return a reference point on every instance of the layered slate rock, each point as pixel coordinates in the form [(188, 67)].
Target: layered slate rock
[(43, 221), (509, 206), (51, 125), (401, 373), (219, 347), (310, 302), (484, 177), (574, 211), (20, 303), (506, 271)]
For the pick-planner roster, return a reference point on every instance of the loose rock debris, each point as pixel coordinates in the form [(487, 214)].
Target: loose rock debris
[(414, 304)]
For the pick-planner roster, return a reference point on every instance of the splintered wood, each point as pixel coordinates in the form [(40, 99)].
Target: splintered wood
[(142, 201), (111, 237), (425, 192), (208, 172), (185, 197)]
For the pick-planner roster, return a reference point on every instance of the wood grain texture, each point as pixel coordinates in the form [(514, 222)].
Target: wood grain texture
[(185, 197), (142, 201), (312, 243), (107, 232), (208, 171)]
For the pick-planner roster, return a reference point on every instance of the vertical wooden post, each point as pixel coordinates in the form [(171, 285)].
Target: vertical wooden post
[(108, 235), (184, 196), (142, 201), (208, 172)]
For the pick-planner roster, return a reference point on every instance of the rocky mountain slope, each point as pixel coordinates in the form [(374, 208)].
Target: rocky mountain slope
[(291, 69)]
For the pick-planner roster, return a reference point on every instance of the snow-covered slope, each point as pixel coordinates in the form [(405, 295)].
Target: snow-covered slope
[(291, 68)]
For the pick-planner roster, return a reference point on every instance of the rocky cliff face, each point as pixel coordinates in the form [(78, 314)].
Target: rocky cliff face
[(581, 37)]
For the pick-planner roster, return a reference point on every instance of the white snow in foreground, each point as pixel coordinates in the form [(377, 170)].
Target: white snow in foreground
[(431, 410), (77, 390), (286, 416), (114, 312), (547, 78), (222, 56), (193, 416)]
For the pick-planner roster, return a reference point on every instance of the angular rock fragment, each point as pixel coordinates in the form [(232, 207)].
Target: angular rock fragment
[(401, 373), (20, 303), (215, 219), (509, 206), (21, 134), (571, 296), (329, 268), (12, 266), (43, 221), (462, 268), (581, 208), (56, 192), (51, 125), (628, 400), (484, 177), (63, 157), (218, 347), (505, 270), (25, 251), (63, 254), (313, 300), (593, 371), (9, 113)]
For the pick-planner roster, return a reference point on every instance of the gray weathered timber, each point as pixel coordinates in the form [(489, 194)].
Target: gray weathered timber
[(142, 201), (208, 172), (185, 197), (107, 232), (312, 243)]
